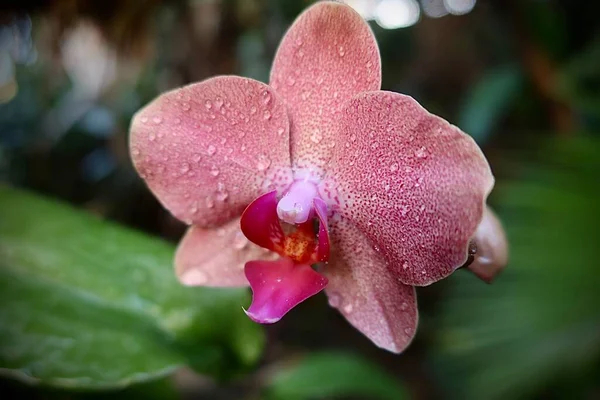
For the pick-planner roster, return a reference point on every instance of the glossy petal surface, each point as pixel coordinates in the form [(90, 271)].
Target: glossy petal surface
[(323, 248), (278, 286), (327, 56), (492, 247), (260, 222), (208, 149), (216, 257), (411, 182), (367, 293)]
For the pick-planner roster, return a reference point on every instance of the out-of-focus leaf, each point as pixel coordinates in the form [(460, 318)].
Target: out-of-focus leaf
[(85, 303), (489, 101), (334, 375), (541, 317)]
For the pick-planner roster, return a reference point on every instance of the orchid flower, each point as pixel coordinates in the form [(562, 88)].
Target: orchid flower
[(319, 180)]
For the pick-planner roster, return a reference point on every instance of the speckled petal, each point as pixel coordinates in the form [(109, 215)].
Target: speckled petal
[(208, 149), (411, 182), (216, 257), (327, 56), (367, 293), (278, 286), (492, 248)]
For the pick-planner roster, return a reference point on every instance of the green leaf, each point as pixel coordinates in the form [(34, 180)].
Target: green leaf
[(86, 303), (334, 375), (540, 318), (488, 101)]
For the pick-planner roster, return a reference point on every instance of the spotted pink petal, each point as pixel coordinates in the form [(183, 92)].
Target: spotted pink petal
[(327, 56), (207, 150), (411, 182), (216, 257), (323, 248), (278, 286), (260, 222), (367, 293), (492, 247)]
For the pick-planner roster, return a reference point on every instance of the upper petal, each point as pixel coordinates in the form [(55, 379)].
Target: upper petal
[(216, 257), (367, 293), (411, 182), (327, 56), (206, 150)]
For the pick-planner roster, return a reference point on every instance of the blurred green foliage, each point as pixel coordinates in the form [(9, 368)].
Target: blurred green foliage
[(87, 304)]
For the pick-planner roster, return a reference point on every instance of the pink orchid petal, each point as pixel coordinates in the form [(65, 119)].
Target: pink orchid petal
[(216, 257), (260, 222), (492, 247), (411, 182), (327, 56), (323, 247), (367, 293), (278, 286), (207, 149)]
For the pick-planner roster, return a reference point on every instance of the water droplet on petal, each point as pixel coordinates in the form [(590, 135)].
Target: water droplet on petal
[(144, 120), (394, 167), (152, 136), (267, 115), (210, 203), (405, 265), (211, 150), (334, 299), (135, 151), (157, 120), (408, 331), (404, 306), (353, 138), (280, 131), (222, 196), (252, 110), (348, 308), (266, 96), (291, 81), (186, 106), (218, 102), (240, 241), (185, 167), (195, 277), (316, 137), (243, 147), (341, 51), (263, 162), (196, 157), (214, 171), (319, 80), (421, 152)]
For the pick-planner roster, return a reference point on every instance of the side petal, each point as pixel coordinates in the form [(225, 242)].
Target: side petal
[(327, 56), (216, 257), (411, 182), (278, 286), (207, 149), (367, 293), (492, 248)]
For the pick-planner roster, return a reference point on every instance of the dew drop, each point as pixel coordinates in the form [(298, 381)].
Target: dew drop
[(243, 147), (267, 115), (152, 136), (157, 120), (280, 131), (240, 241), (319, 80), (266, 97), (185, 167), (252, 110), (263, 162), (334, 299), (211, 150), (223, 140), (316, 137), (291, 81), (186, 106), (218, 102), (421, 152), (210, 203), (405, 265), (196, 157), (177, 121), (144, 120), (404, 306), (195, 277), (348, 308), (194, 209), (341, 51), (160, 168), (408, 331), (222, 196), (394, 167), (353, 138), (135, 151), (214, 171)]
